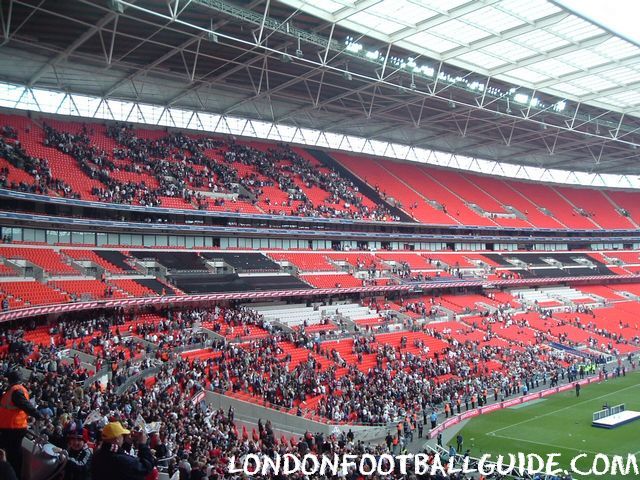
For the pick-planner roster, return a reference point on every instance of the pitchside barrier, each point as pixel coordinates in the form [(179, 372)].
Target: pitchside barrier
[(508, 403)]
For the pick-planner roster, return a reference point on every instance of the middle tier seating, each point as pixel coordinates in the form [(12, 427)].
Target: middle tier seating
[(306, 262)]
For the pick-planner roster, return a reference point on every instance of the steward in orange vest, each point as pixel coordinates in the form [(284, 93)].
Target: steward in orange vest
[(14, 415)]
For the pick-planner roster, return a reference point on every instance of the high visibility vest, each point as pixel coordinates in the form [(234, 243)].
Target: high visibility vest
[(12, 417)]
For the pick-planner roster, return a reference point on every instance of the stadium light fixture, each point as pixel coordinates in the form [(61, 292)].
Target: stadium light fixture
[(560, 106), (212, 36), (299, 53), (346, 74), (372, 55)]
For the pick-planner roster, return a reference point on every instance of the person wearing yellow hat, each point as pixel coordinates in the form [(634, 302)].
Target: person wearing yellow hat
[(110, 462)]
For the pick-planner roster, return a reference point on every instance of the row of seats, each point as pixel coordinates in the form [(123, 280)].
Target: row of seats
[(126, 171), (418, 188), (47, 259), (332, 281)]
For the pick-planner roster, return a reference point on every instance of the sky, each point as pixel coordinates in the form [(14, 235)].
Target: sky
[(620, 16)]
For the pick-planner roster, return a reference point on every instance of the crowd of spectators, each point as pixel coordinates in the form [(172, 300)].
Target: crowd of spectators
[(406, 384), (43, 181), (198, 170)]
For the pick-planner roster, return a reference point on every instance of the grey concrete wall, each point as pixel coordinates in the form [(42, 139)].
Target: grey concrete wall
[(283, 421)]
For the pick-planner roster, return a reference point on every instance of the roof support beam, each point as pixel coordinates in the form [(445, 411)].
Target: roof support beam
[(6, 22), (144, 70), (180, 48), (72, 48), (268, 92)]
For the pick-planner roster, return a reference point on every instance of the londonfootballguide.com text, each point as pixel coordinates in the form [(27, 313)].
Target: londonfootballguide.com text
[(422, 464)]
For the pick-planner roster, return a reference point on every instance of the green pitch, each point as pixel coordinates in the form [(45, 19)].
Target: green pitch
[(560, 423)]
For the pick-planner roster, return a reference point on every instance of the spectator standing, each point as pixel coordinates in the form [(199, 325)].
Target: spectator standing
[(111, 462), (15, 410)]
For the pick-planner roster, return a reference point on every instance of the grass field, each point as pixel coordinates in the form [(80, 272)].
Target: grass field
[(560, 424)]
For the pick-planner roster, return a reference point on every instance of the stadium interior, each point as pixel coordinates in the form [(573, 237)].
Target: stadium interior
[(279, 226)]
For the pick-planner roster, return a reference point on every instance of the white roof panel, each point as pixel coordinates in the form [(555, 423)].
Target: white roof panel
[(376, 22), (555, 67), (527, 10), (412, 12), (542, 40), (622, 75), (630, 98), (616, 48), (491, 19), (530, 43), (594, 84), (434, 43), (481, 58), (528, 75), (583, 59), (509, 51), (458, 31), (332, 7), (570, 88), (575, 29)]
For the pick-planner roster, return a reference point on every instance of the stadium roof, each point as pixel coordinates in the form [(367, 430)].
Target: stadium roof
[(536, 44), (313, 66)]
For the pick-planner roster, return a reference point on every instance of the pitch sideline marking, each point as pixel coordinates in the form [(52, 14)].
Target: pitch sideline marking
[(560, 410), (546, 444)]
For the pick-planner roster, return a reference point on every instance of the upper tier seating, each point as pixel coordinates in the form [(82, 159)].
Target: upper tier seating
[(597, 206), (627, 201), (391, 187), (546, 197), (150, 168), (504, 192), (116, 164), (532, 204)]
